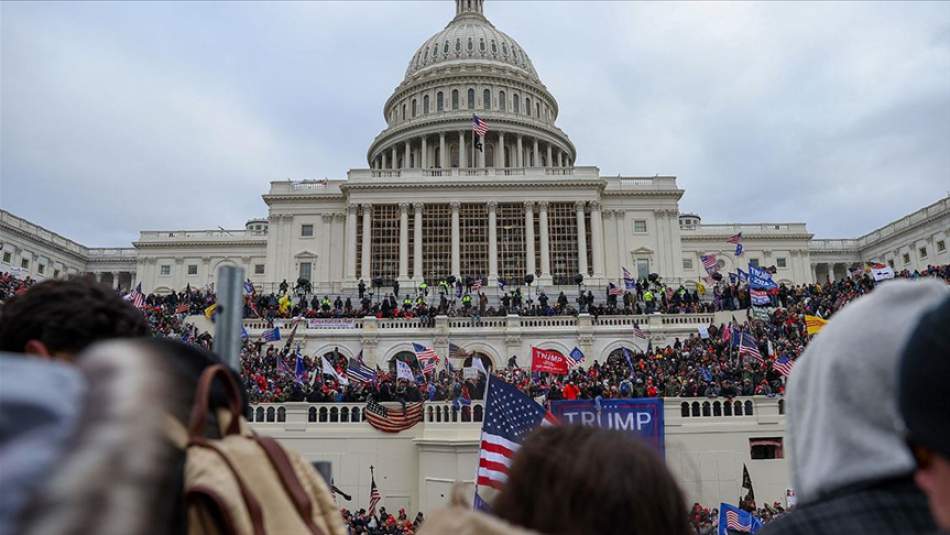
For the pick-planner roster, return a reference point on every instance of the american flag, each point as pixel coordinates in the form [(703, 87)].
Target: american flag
[(709, 262), (736, 239), (509, 416), (479, 126), (748, 346), (137, 298), (374, 495), (575, 357), (427, 357), (782, 365), (638, 332), (734, 522), (181, 309), (392, 420), (477, 285), (615, 290), (628, 280), (456, 352)]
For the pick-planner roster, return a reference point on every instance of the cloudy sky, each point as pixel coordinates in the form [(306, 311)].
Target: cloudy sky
[(125, 116)]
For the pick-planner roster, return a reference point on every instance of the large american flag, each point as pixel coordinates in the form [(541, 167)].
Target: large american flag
[(509, 416), (638, 332), (735, 239), (628, 280), (709, 262), (615, 290), (360, 372), (391, 420), (479, 126), (427, 357)]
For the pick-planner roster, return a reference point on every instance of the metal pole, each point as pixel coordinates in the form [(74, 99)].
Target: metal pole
[(227, 327)]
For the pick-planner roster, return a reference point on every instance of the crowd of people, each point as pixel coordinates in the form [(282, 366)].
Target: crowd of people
[(362, 522)]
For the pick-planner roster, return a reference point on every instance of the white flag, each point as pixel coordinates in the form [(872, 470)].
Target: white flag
[(328, 369), (883, 273), (477, 364), (403, 371)]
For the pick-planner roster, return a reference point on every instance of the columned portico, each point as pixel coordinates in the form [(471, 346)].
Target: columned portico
[(351, 274), (581, 239), (529, 237)]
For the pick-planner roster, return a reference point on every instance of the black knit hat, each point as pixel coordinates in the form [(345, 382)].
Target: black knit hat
[(925, 381)]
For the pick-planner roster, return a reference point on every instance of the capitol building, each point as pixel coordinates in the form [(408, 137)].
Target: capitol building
[(436, 199), (439, 196)]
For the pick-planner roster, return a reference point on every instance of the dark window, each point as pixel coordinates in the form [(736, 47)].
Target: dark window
[(486, 99), (455, 99), (439, 101), (471, 99), (766, 448)]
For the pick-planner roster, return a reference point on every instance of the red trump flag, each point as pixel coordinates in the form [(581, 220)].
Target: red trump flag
[(549, 361)]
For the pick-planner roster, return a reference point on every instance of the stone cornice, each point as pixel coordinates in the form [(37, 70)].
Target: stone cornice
[(561, 180), (303, 195), (199, 243), (645, 192), (684, 236), (45, 242)]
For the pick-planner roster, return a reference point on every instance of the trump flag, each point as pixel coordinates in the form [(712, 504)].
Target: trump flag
[(549, 361)]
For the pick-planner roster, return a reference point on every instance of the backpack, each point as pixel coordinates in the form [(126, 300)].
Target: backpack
[(244, 483)]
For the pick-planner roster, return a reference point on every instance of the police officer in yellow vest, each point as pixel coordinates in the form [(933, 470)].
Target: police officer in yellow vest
[(648, 299)]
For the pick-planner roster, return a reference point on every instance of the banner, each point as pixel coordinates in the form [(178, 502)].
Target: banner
[(549, 361), (403, 371), (642, 417), (760, 279), (469, 373), (331, 323), (703, 331), (759, 297), (883, 273)]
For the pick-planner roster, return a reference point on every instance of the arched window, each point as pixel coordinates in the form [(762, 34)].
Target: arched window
[(748, 408), (502, 103), (471, 98), (455, 99), (706, 409), (490, 155), (727, 408), (684, 409), (439, 101), (413, 108), (345, 414), (323, 414), (695, 408), (406, 356), (781, 406), (445, 49), (481, 44), (494, 49), (717, 409), (334, 414), (259, 414), (403, 112), (355, 415), (478, 412), (270, 414), (537, 107), (312, 414), (504, 49), (517, 103), (458, 45), (425, 104), (486, 99), (737, 410), (281, 414), (471, 45), (454, 156), (527, 106)]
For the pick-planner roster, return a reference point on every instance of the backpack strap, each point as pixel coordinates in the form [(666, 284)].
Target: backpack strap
[(199, 412), (254, 509), (288, 477)]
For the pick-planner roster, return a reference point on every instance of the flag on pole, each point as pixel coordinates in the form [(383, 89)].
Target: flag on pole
[(782, 365), (614, 290), (248, 287), (576, 357), (360, 372), (638, 332), (329, 369), (501, 284), (137, 298), (374, 495), (509, 416), (282, 367), (747, 484), (299, 370), (709, 262), (748, 346), (456, 352), (759, 297), (479, 126), (731, 518), (735, 238), (209, 311), (628, 280), (403, 371), (427, 357), (477, 285), (271, 335), (738, 249)]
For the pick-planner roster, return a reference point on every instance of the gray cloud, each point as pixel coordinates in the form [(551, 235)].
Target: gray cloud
[(126, 116)]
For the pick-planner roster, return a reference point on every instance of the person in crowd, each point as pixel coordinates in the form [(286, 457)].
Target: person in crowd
[(850, 468), (578, 480), (57, 319), (925, 408)]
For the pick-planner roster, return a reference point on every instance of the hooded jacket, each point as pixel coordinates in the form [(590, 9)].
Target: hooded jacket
[(846, 435)]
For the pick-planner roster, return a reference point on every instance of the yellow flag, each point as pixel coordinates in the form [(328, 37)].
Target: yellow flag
[(700, 288), (209, 312), (814, 324)]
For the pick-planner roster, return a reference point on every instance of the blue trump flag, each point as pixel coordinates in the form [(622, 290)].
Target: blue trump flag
[(733, 519), (271, 335), (760, 279), (298, 368), (642, 417), (576, 355)]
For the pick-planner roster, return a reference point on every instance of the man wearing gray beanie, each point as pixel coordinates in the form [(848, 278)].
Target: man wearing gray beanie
[(924, 401), (850, 467)]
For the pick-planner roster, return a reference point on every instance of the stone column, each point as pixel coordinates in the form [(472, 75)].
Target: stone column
[(425, 153), (403, 241), (548, 163), (443, 157), (463, 160), (581, 239), (325, 268), (492, 243), (456, 242), (545, 246), (115, 280), (395, 159), (384, 161), (481, 153), (529, 237), (365, 272), (417, 243), (350, 243), (520, 155), (623, 256), (537, 154), (597, 236), (406, 160), (500, 150), (814, 273)]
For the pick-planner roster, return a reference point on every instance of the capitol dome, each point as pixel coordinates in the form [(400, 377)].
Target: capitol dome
[(470, 71), (470, 37)]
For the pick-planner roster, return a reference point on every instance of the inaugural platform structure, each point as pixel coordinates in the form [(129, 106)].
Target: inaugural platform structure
[(440, 197)]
